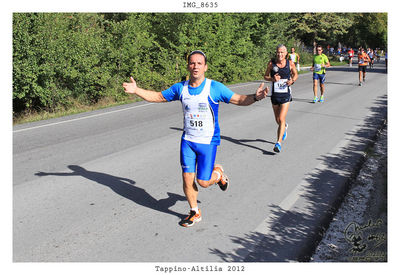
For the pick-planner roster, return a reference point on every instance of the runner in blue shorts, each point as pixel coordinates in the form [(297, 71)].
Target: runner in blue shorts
[(320, 63), (200, 155), (319, 77), (200, 99)]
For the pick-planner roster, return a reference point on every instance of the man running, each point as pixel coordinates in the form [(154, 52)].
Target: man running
[(351, 55), (386, 59), (201, 135), (320, 62), (363, 60), (295, 58), (371, 56), (282, 73)]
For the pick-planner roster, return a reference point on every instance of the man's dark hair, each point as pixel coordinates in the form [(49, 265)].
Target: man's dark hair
[(197, 52)]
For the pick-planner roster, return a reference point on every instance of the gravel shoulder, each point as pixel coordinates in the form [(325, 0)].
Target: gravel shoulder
[(358, 231)]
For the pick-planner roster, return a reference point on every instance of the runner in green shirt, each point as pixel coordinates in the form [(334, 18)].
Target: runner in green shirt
[(320, 63)]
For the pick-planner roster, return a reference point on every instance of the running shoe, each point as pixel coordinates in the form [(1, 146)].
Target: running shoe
[(277, 147), (191, 219), (315, 99), (224, 180), (321, 99), (285, 133), (359, 84)]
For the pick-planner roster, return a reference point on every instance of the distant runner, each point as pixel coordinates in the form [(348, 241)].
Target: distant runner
[(200, 99), (320, 62), (282, 73), (386, 59), (351, 56), (295, 58), (371, 56), (363, 60)]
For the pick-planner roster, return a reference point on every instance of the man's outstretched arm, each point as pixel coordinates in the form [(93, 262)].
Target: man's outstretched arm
[(148, 95), (245, 100)]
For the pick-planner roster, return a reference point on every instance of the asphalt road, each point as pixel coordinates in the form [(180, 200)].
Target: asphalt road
[(106, 185)]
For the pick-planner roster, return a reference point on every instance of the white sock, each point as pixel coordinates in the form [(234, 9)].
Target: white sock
[(219, 175), (196, 209)]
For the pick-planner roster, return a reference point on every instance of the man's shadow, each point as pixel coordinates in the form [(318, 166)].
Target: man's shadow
[(242, 142), (125, 188)]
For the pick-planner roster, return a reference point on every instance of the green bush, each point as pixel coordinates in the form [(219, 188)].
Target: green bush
[(63, 58)]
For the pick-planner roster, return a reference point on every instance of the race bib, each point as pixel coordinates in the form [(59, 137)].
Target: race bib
[(281, 86), (361, 61), (317, 67), (194, 123)]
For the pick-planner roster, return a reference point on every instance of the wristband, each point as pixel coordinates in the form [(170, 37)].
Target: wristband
[(255, 98)]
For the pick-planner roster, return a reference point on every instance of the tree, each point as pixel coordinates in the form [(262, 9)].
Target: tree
[(368, 30), (318, 28)]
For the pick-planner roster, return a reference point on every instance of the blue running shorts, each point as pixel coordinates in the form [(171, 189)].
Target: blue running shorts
[(201, 154), (320, 77)]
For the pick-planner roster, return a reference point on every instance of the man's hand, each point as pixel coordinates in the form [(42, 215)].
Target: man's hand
[(130, 88), (148, 95), (290, 82), (261, 93), (277, 77)]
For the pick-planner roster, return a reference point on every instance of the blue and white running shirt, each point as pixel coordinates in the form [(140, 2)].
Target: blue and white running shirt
[(200, 109)]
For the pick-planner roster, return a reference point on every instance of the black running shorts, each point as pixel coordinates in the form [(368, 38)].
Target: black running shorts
[(281, 98), (362, 68)]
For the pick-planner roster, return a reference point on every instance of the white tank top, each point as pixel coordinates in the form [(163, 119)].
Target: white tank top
[(199, 121)]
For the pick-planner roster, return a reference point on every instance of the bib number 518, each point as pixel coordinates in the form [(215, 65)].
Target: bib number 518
[(196, 123)]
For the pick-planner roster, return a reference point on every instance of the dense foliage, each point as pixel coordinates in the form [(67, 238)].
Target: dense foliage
[(60, 59)]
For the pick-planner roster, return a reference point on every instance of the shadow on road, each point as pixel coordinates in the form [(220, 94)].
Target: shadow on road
[(242, 142), (125, 188), (306, 100), (292, 235), (378, 68), (338, 83)]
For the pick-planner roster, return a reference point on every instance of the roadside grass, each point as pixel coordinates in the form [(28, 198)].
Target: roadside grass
[(76, 108)]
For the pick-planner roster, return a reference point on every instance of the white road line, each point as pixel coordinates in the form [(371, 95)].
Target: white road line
[(248, 84), (75, 119)]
